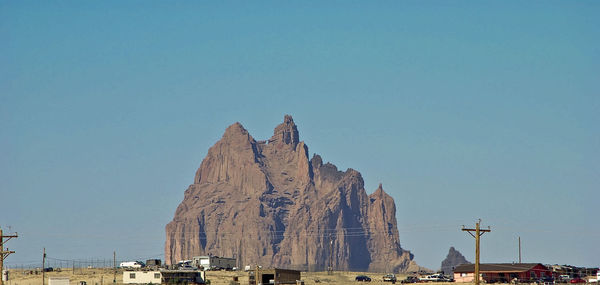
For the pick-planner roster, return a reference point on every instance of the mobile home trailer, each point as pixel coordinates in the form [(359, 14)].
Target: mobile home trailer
[(212, 262)]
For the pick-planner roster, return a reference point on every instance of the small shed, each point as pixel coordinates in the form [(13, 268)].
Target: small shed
[(273, 276), (153, 263), (501, 272)]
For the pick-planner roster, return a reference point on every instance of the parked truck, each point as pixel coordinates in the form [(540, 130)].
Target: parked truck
[(597, 279)]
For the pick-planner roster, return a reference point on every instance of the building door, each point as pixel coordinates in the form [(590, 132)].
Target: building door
[(266, 278)]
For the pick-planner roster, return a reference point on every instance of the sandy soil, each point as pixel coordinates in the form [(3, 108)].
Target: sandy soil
[(105, 277)]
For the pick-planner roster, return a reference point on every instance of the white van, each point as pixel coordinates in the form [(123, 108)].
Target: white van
[(131, 264)]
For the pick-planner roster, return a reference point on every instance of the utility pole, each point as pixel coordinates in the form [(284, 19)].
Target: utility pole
[(4, 253), (44, 267), (115, 267), (478, 233), (256, 274), (519, 249), (330, 267)]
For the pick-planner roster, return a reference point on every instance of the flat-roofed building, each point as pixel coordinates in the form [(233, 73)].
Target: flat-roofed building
[(273, 276), (58, 281), (213, 262), (142, 277), (163, 276), (189, 277)]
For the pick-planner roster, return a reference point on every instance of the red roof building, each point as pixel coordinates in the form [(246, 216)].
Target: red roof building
[(501, 272)]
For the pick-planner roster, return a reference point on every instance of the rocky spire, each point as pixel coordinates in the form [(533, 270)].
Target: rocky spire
[(379, 191), (269, 204), (453, 259), (286, 133)]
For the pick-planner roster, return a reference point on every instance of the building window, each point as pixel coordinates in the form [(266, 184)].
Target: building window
[(156, 275), (463, 275), (132, 275)]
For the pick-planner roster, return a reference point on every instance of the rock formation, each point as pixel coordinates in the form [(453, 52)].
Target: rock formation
[(453, 259), (267, 203)]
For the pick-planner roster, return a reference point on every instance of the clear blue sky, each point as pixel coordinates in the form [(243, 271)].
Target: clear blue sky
[(462, 109)]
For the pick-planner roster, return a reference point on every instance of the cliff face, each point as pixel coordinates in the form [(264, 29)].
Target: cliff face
[(453, 259), (266, 202)]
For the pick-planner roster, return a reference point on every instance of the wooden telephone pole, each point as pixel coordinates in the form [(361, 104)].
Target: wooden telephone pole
[(478, 233), (44, 267), (519, 249), (4, 253), (114, 267), (330, 267)]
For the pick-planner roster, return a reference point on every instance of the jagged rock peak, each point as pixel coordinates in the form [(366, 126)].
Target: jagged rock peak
[(453, 259), (380, 193), (286, 133), (235, 129)]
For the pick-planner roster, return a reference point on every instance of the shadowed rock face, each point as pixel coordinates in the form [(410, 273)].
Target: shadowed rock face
[(267, 203), (453, 259)]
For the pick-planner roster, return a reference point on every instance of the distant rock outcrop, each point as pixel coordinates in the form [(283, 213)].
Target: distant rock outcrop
[(266, 202), (453, 259)]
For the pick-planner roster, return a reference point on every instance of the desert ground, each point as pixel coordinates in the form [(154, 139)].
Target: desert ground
[(105, 277)]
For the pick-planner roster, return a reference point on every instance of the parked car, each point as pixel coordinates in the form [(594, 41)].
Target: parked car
[(434, 278), (577, 280), (187, 267), (563, 279), (363, 278), (595, 279), (410, 279), (548, 280), (389, 278)]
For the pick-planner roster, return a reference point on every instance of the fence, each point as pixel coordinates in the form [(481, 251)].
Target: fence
[(65, 264)]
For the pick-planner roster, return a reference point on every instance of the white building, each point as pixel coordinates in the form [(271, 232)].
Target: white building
[(58, 281), (141, 277), (163, 276)]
